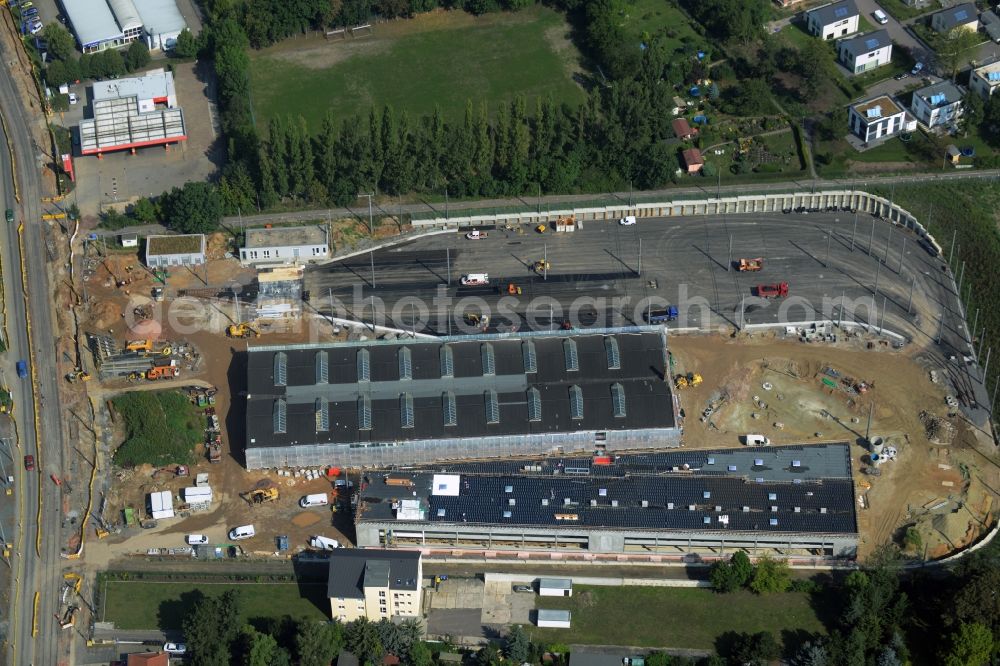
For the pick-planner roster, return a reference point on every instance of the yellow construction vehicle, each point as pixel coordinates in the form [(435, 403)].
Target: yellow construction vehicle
[(541, 228), (261, 495), (147, 347), (476, 319), (242, 330), (134, 376), (541, 266), (78, 374), (73, 580), (689, 380)]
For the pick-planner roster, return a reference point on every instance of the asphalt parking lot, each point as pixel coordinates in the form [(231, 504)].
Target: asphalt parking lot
[(610, 274), (122, 177)]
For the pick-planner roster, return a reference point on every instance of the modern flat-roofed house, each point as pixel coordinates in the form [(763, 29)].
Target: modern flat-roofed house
[(876, 118), (964, 16), (985, 80), (865, 52), (938, 104), (285, 245), (177, 250), (837, 19), (373, 583)]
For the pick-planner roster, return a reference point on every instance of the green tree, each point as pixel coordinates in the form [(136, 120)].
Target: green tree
[(971, 645), (59, 102), (193, 209), (489, 655), (186, 46), (742, 567), (137, 56), (111, 63), (143, 211), (517, 645), (658, 659), (770, 576), (256, 648), (951, 49), (709, 170), (61, 44), (361, 637), (211, 627), (317, 643), (751, 97), (421, 655), (55, 73), (723, 577), (973, 112), (755, 649)]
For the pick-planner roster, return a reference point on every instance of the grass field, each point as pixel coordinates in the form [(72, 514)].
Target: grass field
[(656, 17), (135, 605), (162, 428), (441, 58), (692, 618)]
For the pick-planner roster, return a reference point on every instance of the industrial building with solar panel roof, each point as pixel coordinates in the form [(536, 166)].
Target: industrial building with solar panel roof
[(790, 500), (420, 400)]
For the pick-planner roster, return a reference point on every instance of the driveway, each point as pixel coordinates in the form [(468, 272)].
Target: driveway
[(896, 30), (892, 87)]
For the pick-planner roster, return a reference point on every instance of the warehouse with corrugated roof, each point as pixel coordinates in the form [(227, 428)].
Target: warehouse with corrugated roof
[(104, 24), (388, 402)]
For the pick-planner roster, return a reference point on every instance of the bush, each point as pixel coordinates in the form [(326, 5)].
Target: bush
[(162, 428), (113, 220), (771, 576)]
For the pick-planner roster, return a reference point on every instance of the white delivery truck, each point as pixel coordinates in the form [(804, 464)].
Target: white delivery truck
[(242, 532), (756, 440), (475, 279), (318, 499)]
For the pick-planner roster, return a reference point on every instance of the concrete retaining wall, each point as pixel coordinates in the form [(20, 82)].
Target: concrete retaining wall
[(731, 205), (605, 581)]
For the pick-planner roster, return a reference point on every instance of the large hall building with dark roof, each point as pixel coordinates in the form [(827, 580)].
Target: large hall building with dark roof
[(793, 501), (410, 401)]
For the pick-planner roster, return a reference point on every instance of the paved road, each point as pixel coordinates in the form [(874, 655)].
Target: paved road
[(34, 570), (708, 190), (897, 31)]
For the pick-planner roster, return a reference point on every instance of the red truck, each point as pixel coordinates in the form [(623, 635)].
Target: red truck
[(779, 290)]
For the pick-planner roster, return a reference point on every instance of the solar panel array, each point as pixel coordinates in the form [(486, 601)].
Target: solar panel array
[(871, 44), (993, 76), (961, 15), (840, 12)]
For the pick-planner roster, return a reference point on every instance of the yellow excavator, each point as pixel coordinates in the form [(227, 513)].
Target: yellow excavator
[(690, 380), (78, 375), (261, 495), (242, 330), (146, 347)]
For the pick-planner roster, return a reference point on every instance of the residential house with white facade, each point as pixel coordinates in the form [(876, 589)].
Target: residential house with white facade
[(876, 118), (832, 21), (938, 104), (964, 15), (865, 52), (985, 80)]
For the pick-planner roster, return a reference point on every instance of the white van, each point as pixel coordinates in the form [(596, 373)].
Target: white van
[(324, 543), (756, 440), (319, 499), (476, 278), (627, 221), (880, 16), (242, 532)]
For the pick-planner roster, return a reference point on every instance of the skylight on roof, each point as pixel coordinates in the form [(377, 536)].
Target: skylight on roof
[(447, 358), (322, 367), (281, 369), (529, 357), (614, 354), (364, 365), (874, 112), (534, 404), (993, 76), (571, 356), (618, 400), (405, 357), (450, 411), (322, 415), (405, 410), (492, 406), (489, 359), (575, 402), (280, 415), (364, 412)]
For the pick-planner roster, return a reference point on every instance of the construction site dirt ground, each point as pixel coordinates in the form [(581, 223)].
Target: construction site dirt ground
[(944, 488)]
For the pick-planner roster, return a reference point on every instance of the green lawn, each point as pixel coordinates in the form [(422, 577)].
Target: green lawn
[(658, 17), (674, 617), (901, 11), (135, 605), (162, 427), (441, 58)]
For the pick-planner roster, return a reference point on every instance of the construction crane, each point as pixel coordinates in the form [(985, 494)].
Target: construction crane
[(242, 330)]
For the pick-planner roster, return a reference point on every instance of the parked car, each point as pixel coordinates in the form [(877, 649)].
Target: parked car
[(175, 648), (22, 369), (29, 463), (196, 539), (627, 221), (73, 99), (901, 76), (36, 28), (917, 68), (880, 17), (523, 588)]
